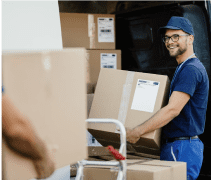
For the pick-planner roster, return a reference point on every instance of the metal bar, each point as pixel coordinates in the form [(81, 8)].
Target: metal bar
[(123, 150), (120, 175), (100, 163), (123, 147), (79, 175), (121, 127)]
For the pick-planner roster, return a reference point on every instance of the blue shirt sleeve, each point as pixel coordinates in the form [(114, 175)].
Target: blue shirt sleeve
[(187, 80)]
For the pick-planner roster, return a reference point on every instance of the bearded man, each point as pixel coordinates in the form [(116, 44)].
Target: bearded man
[(183, 118)]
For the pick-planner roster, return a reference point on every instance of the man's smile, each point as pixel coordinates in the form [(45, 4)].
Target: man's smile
[(172, 47)]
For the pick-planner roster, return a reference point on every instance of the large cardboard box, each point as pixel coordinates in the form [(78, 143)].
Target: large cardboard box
[(98, 59), (49, 87), (92, 31), (132, 98), (144, 169)]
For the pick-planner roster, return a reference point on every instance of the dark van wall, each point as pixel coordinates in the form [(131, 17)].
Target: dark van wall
[(141, 44), (201, 41)]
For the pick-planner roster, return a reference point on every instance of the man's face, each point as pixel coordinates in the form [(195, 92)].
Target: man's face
[(179, 47)]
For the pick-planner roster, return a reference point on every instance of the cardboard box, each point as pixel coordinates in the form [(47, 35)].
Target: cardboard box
[(92, 31), (145, 169), (90, 98), (49, 87), (98, 151), (90, 139), (132, 98), (98, 59), (73, 167)]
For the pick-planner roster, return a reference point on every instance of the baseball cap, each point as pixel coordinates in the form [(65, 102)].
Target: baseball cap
[(179, 23)]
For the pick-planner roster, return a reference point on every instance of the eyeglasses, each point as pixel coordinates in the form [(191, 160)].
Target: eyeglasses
[(174, 37)]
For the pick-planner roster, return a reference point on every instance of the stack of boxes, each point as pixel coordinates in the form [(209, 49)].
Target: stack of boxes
[(95, 32)]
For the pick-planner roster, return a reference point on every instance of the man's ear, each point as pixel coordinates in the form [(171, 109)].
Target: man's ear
[(191, 39)]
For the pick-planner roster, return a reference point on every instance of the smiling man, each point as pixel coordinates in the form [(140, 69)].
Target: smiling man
[(183, 118)]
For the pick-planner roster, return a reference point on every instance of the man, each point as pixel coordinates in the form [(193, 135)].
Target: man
[(21, 137), (183, 118)]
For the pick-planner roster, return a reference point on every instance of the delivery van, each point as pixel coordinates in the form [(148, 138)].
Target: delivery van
[(143, 50)]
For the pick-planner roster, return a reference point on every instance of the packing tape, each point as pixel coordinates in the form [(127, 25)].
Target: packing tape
[(145, 163), (90, 22), (92, 38), (91, 31), (127, 87)]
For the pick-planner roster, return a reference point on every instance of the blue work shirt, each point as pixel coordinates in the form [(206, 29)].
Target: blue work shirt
[(192, 79)]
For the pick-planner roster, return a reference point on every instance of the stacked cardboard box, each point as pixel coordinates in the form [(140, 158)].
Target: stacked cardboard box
[(98, 59), (37, 84), (92, 31), (144, 169), (137, 167), (95, 32)]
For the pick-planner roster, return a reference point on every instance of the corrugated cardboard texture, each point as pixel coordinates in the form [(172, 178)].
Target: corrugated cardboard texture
[(97, 151), (94, 66), (50, 89), (107, 101), (75, 31), (140, 169)]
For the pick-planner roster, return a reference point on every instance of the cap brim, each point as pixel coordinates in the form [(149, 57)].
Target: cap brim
[(168, 27)]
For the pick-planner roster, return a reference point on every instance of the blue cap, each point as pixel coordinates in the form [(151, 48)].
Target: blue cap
[(179, 23)]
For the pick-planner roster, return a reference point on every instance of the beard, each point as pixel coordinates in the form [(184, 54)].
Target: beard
[(179, 51)]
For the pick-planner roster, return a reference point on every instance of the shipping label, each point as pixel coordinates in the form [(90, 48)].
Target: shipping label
[(145, 95), (108, 60), (105, 29)]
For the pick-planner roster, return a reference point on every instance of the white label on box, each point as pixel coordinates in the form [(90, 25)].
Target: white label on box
[(105, 29), (108, 60), (145, 95)]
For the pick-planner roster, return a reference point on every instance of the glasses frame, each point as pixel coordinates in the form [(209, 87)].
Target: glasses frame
[(167, 40)]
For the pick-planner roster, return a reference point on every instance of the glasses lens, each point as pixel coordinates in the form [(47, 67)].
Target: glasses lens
[(165, 39), (175, 37)]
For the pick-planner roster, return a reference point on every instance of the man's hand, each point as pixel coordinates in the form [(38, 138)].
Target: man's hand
[(45, 166), (132, 135)]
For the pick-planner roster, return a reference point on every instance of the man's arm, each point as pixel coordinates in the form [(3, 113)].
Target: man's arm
[(21, 137), (18, 132), (176, 103)]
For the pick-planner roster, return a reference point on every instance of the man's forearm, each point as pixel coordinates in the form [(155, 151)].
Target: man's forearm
[(158, 120), (175, 105), (18, 132), (26, 144)]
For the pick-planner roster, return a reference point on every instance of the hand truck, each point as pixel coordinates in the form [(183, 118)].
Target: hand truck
[(122, 165)]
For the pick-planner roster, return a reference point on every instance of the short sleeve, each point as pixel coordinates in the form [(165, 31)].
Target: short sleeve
[(187, 80)]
